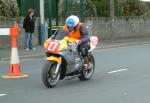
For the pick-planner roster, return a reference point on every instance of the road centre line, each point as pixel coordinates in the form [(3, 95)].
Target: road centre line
[(115, 71), (2, 95)]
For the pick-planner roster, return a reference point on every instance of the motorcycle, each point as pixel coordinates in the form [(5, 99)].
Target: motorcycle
[(64, 60)]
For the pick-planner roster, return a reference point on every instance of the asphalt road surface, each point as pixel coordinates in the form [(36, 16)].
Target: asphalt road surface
[(122, 76)]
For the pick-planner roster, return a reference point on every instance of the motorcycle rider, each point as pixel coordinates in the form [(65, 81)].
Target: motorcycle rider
[(75, 29)]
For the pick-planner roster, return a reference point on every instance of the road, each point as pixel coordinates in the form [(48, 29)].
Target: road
[(122, 76)]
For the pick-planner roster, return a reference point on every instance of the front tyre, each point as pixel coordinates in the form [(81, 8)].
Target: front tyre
[(50, 79), (87, 73)]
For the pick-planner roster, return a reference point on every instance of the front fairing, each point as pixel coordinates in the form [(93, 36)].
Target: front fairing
[(59, 46)]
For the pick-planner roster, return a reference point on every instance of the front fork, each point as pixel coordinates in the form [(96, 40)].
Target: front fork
[(57, 67), (58, 60)]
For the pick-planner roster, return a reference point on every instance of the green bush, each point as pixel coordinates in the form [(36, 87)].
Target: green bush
[(101, 8), (9, 8)]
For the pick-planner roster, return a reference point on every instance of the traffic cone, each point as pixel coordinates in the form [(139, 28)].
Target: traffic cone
[(15, 68)]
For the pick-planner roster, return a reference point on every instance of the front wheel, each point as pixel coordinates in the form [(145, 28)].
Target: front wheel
[(50, 79), (87, 73)]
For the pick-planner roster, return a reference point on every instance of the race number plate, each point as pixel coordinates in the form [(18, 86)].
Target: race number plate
[(93, 43), (53, 46)]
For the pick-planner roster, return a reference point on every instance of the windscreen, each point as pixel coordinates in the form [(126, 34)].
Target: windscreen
[(60, 34)]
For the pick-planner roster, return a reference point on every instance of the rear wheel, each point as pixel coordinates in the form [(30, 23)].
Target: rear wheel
[(50, 79), (87, 73)]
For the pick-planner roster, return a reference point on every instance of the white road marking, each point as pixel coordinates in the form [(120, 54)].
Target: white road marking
[(2, 95), (117, 71)]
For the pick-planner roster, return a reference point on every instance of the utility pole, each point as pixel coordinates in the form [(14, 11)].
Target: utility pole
[(112, 8), (57, 17), (112, 16), (50, 18), (81, 10), (42, 22), (66, 8)]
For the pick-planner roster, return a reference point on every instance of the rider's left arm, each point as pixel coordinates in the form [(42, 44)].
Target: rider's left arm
[(84, 34)]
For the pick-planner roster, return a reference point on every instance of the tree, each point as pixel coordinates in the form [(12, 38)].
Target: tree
[(68, 7), (133, 8), (101, 8), (9, 8), (129, 8)]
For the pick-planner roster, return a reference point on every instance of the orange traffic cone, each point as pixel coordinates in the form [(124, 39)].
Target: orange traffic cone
[(15, 69)]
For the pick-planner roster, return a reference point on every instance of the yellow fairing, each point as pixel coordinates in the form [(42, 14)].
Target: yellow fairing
[(63, 43), (46, 43), (56, 59), (71, 39)]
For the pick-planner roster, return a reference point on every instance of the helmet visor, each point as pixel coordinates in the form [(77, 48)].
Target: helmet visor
[(70, 28)]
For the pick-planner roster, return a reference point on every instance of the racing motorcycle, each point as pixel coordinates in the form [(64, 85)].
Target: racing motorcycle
[(64, 60)]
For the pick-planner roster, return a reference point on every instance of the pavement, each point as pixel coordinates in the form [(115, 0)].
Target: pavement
[(121, 75), (23, 54), (40, 52)]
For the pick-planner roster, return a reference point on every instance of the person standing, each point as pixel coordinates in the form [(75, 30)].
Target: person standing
[(29, 25)]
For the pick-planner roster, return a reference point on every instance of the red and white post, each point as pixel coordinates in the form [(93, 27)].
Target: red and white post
[(15, 68)]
